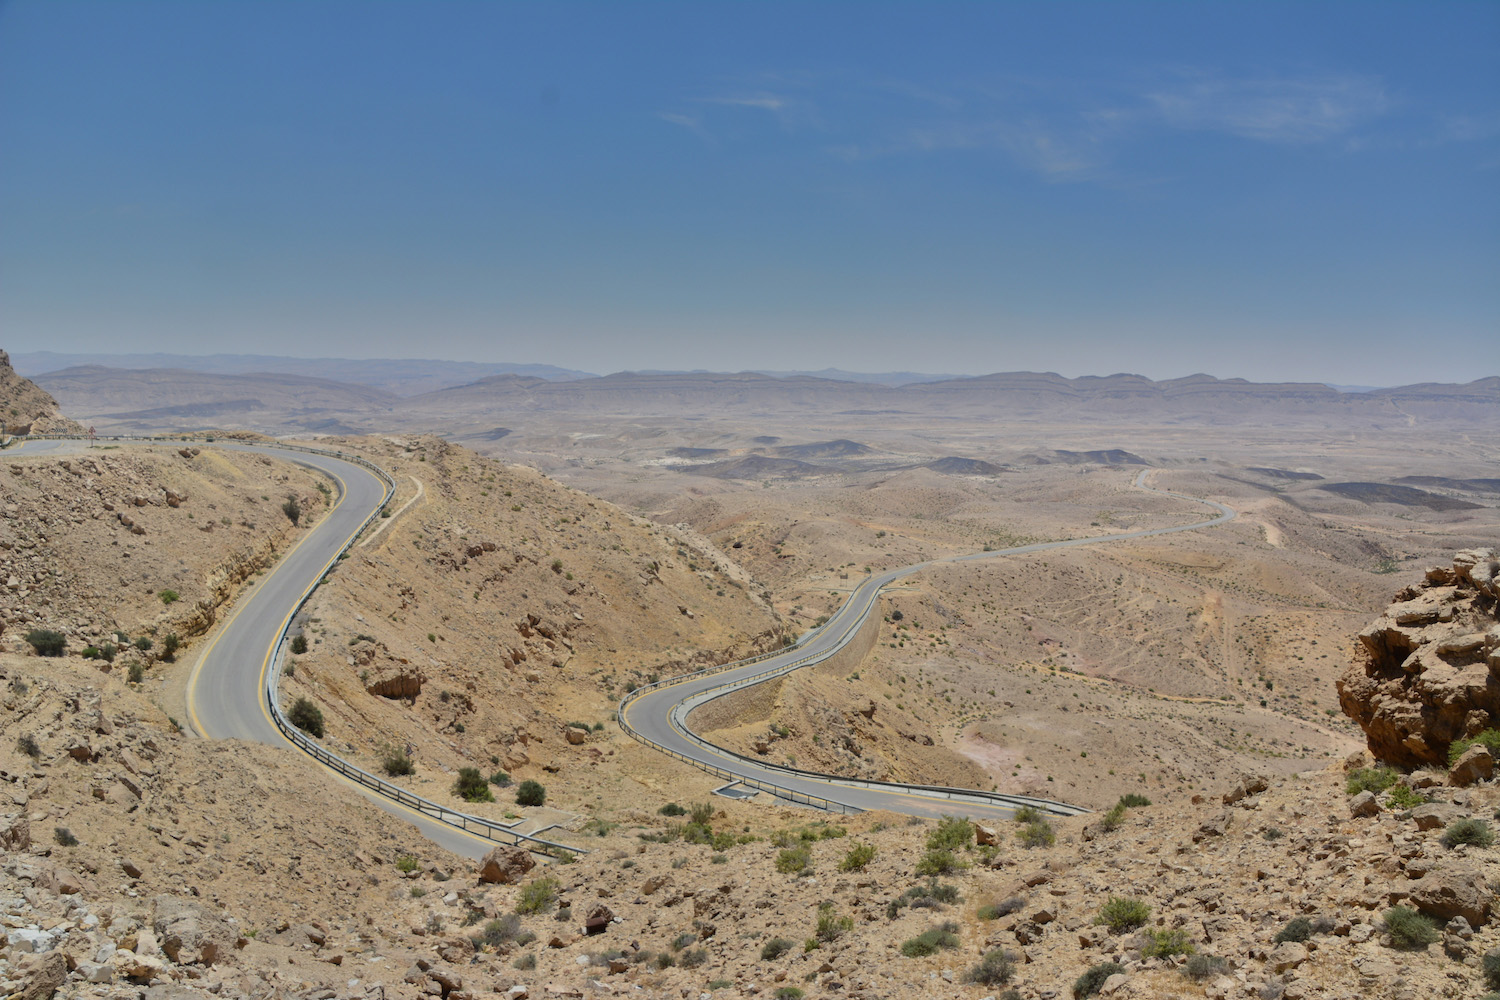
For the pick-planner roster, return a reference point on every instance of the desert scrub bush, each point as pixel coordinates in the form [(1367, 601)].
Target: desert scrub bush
[(857, 857), (526, 962), (1131, 800), (1404, 797), (144, 644), (504, 930), (940, 861), (292, 509), (831, 925), (994, 969), (1471, 831), (136, 672), (1491, 968), (1004, 908), (307, 717), (1297, 929), (692, 958), (406, 863), (169, 596), (790, 993), (530, 793), (1201, 967), (953, 833), (537, 895), (1165, 943), (701, 813), (1037, 833), (1489, 739), (27, 744), (63, 837), (395, 762), (774, 949), (930, 941), (1113, 820), (1123, 913), (471, 786), (672, 809), (46, 642), (794, 859), (501, 779), (1370, 779), (1408, 928), (1027, 814), (684, 939), (1094, 979), (171, 643), (299, 644)]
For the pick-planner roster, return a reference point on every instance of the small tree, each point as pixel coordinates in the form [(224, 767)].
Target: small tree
[(292, 509), (395, 762), (471, 786), (170, 643), (299, 644), (530, 793), (307, 717), (47, 642)]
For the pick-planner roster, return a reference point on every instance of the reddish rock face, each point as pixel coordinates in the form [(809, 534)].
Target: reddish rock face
[(1431, 670)]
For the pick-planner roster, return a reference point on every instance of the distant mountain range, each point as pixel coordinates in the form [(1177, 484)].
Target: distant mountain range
[(444, 397)]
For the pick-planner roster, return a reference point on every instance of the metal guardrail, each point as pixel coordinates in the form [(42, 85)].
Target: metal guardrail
[(474, 825)]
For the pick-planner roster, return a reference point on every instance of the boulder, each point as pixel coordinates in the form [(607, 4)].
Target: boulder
[(505, 865), (576, 736), (1435, 815), (43, 977), (192, 933), (1452, 892), (985, 836), (598, 918), (1287, 955), (394, 679), (1476, 764), (1364, 804), (15, 833)]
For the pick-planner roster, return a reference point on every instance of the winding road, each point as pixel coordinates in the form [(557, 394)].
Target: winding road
[(227, 689)]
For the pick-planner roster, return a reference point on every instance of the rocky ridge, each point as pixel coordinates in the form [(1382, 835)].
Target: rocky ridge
[(25, 408), (1431, 664)]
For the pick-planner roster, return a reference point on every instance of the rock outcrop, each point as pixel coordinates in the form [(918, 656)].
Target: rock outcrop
[(28, 408), (1431, 671)]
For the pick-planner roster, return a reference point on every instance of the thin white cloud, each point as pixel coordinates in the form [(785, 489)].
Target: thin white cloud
[(766, 102), (686, 121), (1284, 110)]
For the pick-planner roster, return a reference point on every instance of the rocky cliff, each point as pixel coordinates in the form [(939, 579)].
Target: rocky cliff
[(27, 409), (1431, 669)]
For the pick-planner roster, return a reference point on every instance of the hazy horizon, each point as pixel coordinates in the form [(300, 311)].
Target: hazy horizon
[(1274, 192)]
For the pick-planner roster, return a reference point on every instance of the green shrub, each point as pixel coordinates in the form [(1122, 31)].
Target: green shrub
[(471, 786), (1165, 943), (692, 958), (530, 793), (1123, 913), (1491, 969), (28, 745), (858, 856), (794, 859), (1094, 979), (672, 809), (501, 779), (526, 962), (1004, 908), (107, 652), (701, 813), (63, 837), (396, 763), (831, 926), (1037, 833), (940, 862), (1133, 801), (292, 509), (1409, 928), (502, 931), (953, 833), (47, 642), (1297, 929), (168, 596), (1201, 967), (944, 936), (136, 672), (406, 863), (537, 895), (774, 949), (1370, 779), (91, 653), (790, 993), (1027, 814), (144, 644), (170, 644), (1489, 738), (299, 644), (994, 969), (1113, 820), (1403, 797), (1471, 831), (307, 717)]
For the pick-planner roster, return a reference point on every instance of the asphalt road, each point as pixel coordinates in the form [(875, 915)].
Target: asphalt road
[(660, 715), (224, 689)]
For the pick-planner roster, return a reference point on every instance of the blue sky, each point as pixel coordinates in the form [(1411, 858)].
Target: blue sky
[(1305, 191)]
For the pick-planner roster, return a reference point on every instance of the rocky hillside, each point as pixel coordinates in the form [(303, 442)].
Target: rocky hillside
[(27, 409), (1430, 670), (140, 862)]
